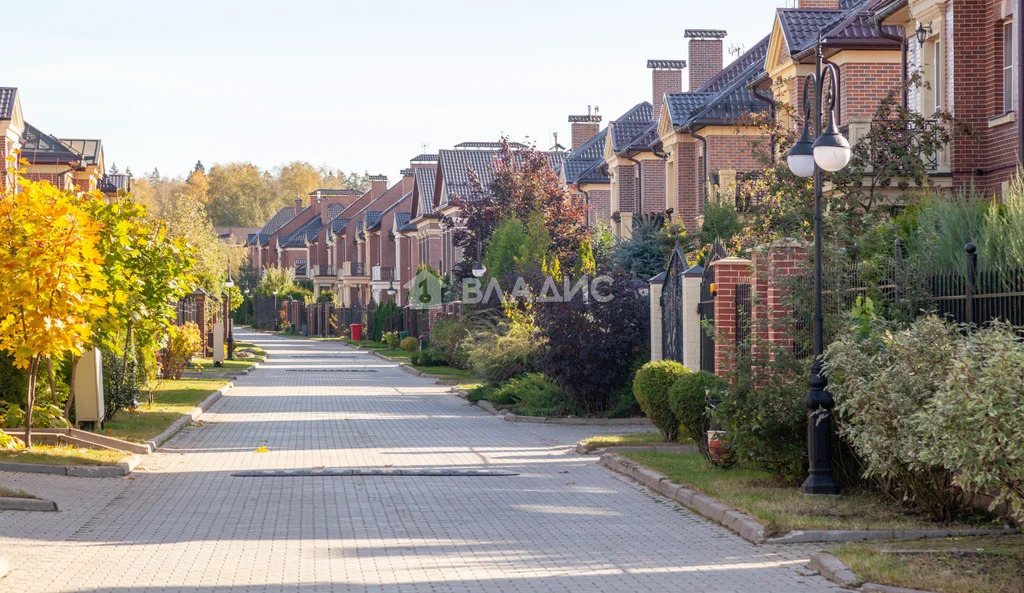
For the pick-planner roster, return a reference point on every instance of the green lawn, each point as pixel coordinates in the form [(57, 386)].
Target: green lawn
[(992, 564), (63, 455), (441, 372), (172, 399), (781, 507)]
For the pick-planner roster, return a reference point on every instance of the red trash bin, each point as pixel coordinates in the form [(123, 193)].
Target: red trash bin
[(357, 331)]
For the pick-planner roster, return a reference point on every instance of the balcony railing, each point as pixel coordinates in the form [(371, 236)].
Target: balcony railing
[(353, 268), (383, 274), (322, 270)]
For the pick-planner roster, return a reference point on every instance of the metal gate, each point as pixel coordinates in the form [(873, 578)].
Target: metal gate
[(706, 308), (672, 308)]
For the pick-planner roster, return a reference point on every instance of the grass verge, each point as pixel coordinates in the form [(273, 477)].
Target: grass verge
[(12, 493), (978, 564), (440, 372), (635, 439), (171, 400), (63, 455), (779, 506)]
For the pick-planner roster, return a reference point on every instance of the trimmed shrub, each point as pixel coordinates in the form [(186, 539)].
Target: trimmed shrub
[(120, 382), (651, 386), (431, 356), (536, 395), (688, 400), (768, 426), (391, 340), (409, 344)]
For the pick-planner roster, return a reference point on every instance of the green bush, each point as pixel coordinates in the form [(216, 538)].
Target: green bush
[(687, 398), (431, 356), (650, 386), (183, 342), (507, 352), (13, 381), (48, 416), (120, 382), (391, 340), (975, 423), (536, 395), (450, 337), (882, 381), (384, 318), (409, 344)]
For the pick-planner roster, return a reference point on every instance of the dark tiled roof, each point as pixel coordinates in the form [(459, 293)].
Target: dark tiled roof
[(592, 118), (38, 147), (639, 112), (283, 217), (336, 192), (704, 33), (8, 97), (92, 150), (425, 178), (489, 145), (308, 232), (338, 224), (666, 64), (752, 56), (731, 102), (372, 217), (801, 26), (848, 26), (583, 164), (113, 182), (333, 210), (456, 164), (424, 158), (401, 219), (359, 227), (632, 135), (682, 106)]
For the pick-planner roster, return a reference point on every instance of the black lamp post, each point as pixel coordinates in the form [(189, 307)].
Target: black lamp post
[(479, 269), (231, 326), (830, 152)]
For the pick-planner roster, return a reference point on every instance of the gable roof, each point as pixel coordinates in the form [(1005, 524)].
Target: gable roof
[(283, 217), (335, 192), (725, 97), (402, 219), (402, 202), (8, 99), (38, 147), (113, 182), (583, 164), (307, 232), (424, 178), (849, 26), (635, 130)]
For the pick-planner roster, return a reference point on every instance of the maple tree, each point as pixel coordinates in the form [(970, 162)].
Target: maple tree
[(53, 275)]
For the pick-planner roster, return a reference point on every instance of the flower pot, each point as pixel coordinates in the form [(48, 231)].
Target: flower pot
[(718, 448)]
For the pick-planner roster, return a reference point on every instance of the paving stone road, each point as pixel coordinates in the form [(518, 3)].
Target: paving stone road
[(184, 523)]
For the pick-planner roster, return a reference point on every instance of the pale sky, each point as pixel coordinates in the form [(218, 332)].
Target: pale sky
[(356, 85)]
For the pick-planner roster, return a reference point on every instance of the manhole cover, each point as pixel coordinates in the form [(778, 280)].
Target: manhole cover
[(347, 472)]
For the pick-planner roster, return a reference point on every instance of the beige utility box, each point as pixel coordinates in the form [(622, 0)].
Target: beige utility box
[(89, 405), (218, 341)]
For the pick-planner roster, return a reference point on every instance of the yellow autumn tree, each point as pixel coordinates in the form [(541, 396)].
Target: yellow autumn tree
[(53, 284)]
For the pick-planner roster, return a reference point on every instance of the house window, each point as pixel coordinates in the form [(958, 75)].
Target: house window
[(1008, 67), (937, 76)]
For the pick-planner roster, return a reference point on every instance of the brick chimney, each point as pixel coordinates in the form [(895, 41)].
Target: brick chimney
[(820, 4), (666, 77), (378, 185), (584, 127), (408, 179), (298, 205), (705, 54)]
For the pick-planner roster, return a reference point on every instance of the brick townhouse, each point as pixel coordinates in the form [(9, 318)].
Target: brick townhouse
[(868, 57), (419, 239), (969, 54), (452, 183), (583, 170), (66, 163), (704, 133)]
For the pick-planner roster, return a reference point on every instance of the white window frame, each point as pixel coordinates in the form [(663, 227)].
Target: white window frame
[(937, 78), (1008, 66)]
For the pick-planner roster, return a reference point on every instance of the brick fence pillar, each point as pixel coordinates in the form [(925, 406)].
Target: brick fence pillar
[(199, 296), (730, 272), (786, 258)]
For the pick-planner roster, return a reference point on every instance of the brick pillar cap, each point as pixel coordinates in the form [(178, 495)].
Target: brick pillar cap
[(735, 261)]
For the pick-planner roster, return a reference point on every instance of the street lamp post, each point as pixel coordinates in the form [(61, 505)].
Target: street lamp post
[(245, 306), (277, 314), (479, 269), (231, 326), (829, 152)]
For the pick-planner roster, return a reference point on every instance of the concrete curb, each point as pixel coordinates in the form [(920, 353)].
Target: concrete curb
[(190, 416), (10, 503), (582, 448), (123, 468), (746, 526), (579, 421), (489, 407), (4, 567), (834, 569), (876, 588), (842, 536)]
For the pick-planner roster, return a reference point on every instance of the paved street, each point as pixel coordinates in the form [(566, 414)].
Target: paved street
[(184, 523)]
